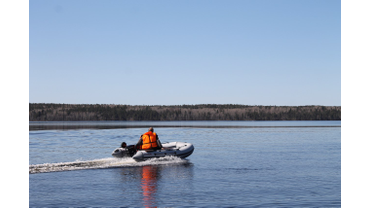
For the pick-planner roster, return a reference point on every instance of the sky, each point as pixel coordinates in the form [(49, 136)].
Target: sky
[(135, 52)]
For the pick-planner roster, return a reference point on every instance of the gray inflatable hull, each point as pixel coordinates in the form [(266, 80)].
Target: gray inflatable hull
[(177, 149)]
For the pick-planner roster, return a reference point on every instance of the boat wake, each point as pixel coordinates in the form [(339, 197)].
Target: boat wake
[(102, 163)]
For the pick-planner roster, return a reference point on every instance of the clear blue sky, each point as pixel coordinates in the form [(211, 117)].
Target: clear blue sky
[(252, 52)]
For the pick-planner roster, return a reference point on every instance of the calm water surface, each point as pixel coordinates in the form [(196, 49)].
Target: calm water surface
[(258, 166)]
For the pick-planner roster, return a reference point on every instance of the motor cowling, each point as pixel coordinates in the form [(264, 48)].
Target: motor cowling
[(121, 152)]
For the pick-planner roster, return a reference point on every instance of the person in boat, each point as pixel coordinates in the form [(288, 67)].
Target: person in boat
[(149, 141), (123, 145)]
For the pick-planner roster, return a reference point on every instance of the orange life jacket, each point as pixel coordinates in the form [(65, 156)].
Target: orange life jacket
[(149, 140)]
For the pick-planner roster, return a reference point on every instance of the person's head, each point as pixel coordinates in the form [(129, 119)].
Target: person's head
[(123, 145), (151, 129)]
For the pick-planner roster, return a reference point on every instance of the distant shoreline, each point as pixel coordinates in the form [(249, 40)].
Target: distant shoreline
[(73, 125), (201, 112)]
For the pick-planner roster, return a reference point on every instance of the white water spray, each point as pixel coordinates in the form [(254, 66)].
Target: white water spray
[(101, 163)]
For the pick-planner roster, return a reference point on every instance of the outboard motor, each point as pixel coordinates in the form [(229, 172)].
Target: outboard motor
[(120, 152), (124, 151)]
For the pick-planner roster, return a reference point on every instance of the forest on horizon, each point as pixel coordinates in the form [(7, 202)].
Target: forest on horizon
[(209, 112)]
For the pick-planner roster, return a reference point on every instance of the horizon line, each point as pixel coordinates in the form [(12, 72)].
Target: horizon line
[(194, 105)]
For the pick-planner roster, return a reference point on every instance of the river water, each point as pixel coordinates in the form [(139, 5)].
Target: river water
[(234, 164)]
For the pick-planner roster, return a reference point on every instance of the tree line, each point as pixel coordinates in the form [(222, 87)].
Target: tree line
[(228, 112)]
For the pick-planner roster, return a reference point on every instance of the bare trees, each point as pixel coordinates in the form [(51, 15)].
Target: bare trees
[(69, 112)]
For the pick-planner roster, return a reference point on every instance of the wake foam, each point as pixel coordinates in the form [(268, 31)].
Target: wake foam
[(102, 163)]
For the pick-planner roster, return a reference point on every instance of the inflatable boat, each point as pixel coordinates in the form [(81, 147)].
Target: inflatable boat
[(177, 149)]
